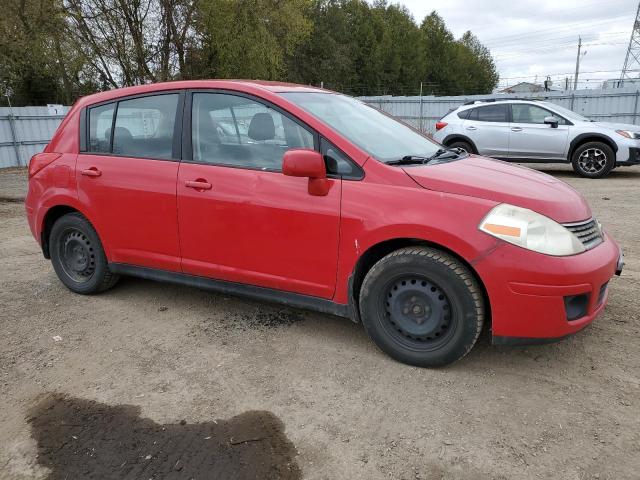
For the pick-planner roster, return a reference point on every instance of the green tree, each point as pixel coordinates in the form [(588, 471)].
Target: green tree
[(248, 38)]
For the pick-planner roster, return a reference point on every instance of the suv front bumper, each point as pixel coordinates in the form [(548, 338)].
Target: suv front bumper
[(633, 157)]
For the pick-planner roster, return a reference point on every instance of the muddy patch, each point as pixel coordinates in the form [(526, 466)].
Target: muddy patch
[(79, 438), (248, 318)]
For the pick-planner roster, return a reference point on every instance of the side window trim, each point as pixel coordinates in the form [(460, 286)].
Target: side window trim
[(187, 137), (357, 168), (177, 126)]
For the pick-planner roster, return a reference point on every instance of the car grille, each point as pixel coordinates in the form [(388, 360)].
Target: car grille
[(588, 232)]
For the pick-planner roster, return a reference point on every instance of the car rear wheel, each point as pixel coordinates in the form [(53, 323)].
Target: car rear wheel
[(422, 307), (593, 160), (78, 257), (462, 145)]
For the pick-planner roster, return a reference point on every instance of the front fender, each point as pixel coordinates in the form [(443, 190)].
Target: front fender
[(407, 214)]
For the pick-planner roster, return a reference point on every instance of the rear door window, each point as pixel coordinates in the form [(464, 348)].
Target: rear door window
[(493, 113), (144, 126)]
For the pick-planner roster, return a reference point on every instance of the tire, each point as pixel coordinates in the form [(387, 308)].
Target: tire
[(422, 307), (466, 146), (78, 257), (593, 160)]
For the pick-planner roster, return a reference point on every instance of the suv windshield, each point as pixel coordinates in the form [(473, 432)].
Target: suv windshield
[(374, 132)]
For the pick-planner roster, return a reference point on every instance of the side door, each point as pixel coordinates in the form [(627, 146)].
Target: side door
[(530, 138), (488, 127), (126, 177), (242, 220)]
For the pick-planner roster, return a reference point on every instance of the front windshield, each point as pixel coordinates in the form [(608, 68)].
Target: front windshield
[(565, 112), (374, 132)]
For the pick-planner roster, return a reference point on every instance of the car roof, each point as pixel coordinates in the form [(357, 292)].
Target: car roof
[(246, 86), (473, 103)]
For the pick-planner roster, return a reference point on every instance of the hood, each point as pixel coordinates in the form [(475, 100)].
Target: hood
[(504, 183), (618, 126)]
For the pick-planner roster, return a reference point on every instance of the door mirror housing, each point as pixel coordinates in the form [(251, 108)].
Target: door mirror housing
[(551, 120), (310, 164)]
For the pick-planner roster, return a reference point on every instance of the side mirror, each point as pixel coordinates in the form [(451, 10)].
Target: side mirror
[(310, 164), (551, 120)]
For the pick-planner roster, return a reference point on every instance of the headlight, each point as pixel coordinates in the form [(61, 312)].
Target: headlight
[(528, 229), (628, 134)]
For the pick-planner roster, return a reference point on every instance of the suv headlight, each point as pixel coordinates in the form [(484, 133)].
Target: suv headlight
[(528, 229), (628, 134)]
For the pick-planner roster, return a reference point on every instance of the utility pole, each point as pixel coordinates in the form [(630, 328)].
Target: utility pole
[(632, 60), (575, 79)]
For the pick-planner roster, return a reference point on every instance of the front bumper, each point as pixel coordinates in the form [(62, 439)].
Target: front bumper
[(527, 290), (628, 156)]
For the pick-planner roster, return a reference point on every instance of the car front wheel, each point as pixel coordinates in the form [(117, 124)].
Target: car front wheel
[(78, 257), (593, 160), (422, 306)]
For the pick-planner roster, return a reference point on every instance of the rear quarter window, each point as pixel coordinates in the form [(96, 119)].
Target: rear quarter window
[(100, 123)]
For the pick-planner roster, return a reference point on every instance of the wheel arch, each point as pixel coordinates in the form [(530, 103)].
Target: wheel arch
[(457, 136), (379, 250), (51, 215), (590, 137)]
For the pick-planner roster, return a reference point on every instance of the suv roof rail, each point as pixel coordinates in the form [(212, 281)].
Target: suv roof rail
[(488, 100)]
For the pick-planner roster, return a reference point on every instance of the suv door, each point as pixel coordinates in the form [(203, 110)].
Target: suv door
[(126, 175), (488, 127), (531, 138), (240, 218)]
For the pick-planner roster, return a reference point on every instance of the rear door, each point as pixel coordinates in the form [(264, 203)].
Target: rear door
[(530, 138), (488, 127), (126, 175)]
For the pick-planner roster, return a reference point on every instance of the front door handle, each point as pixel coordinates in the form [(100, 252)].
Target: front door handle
[(516, 129), (91, 172), (471, 127), (199, 184)]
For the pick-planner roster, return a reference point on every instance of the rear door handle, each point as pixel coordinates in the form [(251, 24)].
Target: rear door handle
[(471, 127), (198, 184), (516, 129), (91, 172)]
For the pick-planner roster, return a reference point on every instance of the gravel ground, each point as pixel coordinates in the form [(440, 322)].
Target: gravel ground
[(158, 381)]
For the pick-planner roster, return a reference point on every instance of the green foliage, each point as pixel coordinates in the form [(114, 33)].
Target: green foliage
[(57, 50)]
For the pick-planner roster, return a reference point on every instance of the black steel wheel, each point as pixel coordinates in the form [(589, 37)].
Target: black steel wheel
[(422, 306), (78, 257), (418, 311)]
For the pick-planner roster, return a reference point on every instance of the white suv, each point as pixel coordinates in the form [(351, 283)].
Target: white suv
[(536, 131)]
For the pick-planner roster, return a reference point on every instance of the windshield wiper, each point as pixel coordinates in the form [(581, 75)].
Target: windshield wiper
[(450, 152), (410, 160), (418, 159)]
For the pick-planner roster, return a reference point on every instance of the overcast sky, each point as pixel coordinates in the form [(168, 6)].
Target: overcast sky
[(540, 37)]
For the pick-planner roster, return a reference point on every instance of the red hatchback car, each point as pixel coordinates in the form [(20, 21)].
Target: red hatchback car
[(316, 200)]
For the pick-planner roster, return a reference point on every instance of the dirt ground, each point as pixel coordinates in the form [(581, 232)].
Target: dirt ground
[(157, 381)]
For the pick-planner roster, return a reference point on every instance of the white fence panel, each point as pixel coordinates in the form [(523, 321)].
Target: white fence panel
[(25, 131), (610, 105)]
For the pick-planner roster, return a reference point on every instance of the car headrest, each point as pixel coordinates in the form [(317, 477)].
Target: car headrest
[(121, 133), (262, 127)]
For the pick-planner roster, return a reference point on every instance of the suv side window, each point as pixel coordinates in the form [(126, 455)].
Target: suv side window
[(144, 126), (238, 131), (523, 113), (100, 123), (492, 113)]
